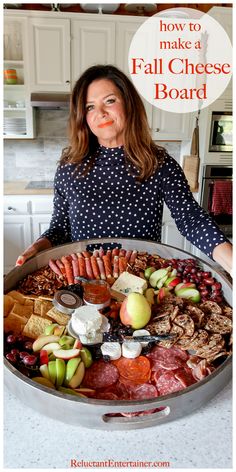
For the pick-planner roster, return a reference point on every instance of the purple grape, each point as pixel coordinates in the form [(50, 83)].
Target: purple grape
[(11, 357), (11, 339), (22, 354), (15, 352), (28, 345), (30, 360)]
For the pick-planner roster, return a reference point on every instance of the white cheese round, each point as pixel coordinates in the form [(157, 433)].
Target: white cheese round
[(111, 349), (131, 349), (141, 332)]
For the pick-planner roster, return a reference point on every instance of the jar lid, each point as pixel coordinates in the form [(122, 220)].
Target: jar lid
[(66, 301)]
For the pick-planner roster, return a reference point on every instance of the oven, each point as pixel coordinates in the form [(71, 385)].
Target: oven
[(221, 132), (217, 195)]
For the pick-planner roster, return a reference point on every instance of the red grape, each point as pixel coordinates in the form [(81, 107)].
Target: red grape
[(30, 359), (28, 345), (22, 354), (11, 339), (15, 352), (11, 357)]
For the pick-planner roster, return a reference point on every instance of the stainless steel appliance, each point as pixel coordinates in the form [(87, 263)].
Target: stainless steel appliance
[(92, 413), (213, 174), (221, 133)]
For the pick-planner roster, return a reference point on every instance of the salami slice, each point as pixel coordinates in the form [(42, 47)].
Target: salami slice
[(142, 392), (185, 376), (100, 375), (167, 383)]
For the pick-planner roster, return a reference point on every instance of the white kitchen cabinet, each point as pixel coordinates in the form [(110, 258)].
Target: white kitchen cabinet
[(17, 237), (93, 42), (49, 40), (18, 115), (25, 219), (171, 126)]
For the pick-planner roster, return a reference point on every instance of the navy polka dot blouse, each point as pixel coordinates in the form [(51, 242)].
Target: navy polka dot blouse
[(109, 203)]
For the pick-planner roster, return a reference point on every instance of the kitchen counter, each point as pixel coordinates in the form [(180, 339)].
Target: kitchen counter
[(19, 188), (200, 440)]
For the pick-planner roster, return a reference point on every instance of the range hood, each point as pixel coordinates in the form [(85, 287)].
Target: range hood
[(50, 100)]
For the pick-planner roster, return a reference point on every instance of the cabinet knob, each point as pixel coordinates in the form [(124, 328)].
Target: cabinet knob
[(157, 130), (67, 81), (11, 208)]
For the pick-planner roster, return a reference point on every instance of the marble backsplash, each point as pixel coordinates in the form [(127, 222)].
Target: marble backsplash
[(37, 159)]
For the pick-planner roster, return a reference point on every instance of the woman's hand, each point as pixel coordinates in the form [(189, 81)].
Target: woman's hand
[(223, 254), (32, 250)]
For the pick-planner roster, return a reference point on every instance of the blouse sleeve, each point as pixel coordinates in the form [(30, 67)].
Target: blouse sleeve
[(192, 221), (59, 230)]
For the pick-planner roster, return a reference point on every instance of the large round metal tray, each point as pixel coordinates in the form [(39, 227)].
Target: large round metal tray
[(92, 413)]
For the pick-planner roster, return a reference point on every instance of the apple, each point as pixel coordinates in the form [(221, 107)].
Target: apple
[(157, 275), (60, 371), (44, 371), (161, 281), (190, 293), (71, 367), (148, 272), (86, 357), (50, 329), (149, 294), (77, 344), (163, 292), (184, 285), (135, 311), (43, 381), (71, 391), (40, 342), (172, 281), (85, 390), (66, 354), (51, 347), (51, 357), (59, 330), (173, 272), (43, 356), (66, 340), (52, 371), (78, 376)]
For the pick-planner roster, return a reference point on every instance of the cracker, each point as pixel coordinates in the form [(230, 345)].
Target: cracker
[(46, 297), (45, 307), (22, 310), (14, 323), (37, 306), (29, 302), (60, 318), (35, 326), (19, 297), (8, 304)]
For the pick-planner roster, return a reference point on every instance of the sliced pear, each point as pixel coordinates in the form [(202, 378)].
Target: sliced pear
[(51, 347), (71, 367), (66, 354), (66, 340), (40, 342), (78, 376), (50, 329), (70, 391), (43, 381), (157, 275), (44, 371), (52, 371), (60, 371), (59, 330), (86, 357)]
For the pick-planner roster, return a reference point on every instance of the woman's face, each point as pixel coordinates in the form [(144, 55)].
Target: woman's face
[(105, 113)]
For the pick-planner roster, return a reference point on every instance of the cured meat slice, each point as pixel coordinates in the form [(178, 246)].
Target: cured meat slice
[(185, 376), (142, 413), (137, 370), (219, 324), (143, 391), (100, 375), (167, 383), (107, 396)]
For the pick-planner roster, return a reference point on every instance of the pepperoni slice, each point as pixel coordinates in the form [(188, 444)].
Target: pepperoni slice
[(136, 370), (100, 375)]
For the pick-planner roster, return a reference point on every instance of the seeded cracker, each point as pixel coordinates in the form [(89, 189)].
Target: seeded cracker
[(35, 326)]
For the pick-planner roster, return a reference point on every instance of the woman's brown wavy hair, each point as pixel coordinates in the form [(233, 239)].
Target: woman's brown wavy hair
[(140, 149)]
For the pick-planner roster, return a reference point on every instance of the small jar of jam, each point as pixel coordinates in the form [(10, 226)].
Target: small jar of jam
[(97, 294)]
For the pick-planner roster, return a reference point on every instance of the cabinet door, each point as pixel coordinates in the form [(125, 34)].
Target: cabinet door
[(50, 54), (171, 126), (124, 35), (40, 224), (17, 237), (93, 42), (172, 236)]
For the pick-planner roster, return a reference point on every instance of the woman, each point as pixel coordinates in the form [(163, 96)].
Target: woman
[(113, 179)]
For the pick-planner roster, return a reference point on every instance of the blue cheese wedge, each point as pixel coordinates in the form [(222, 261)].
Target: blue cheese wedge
[(128, 283)]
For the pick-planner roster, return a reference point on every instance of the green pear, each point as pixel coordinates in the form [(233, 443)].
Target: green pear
[(148, 272), (52, 371), (70, 391), (86, 357), (43, 381), (60, 371), (157, 275), (50, 329), (71, 367), (66, 340), (44, 371), (78, 376)]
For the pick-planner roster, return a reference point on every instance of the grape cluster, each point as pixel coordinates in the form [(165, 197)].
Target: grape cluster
[(18, 351), (188, 270)]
